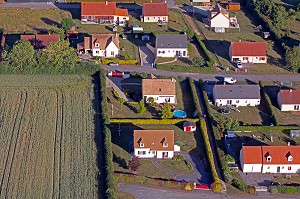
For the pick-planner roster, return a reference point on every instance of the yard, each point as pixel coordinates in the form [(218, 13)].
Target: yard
[(27, 20), (47, 137), (180, 167), (129, 110)]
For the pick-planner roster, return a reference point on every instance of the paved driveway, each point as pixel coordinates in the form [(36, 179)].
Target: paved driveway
[(257, 179), (147, 56)]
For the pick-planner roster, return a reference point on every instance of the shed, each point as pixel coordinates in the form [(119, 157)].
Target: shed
[(294, 133), (265, 35), (233, 6), (229, 134), (189, 126)]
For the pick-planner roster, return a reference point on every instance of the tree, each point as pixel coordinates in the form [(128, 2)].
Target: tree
[(292, 57), (166, 111), (67, 23), (134, 164), (198, 61), (121, 101), (59, 54), (21, 55), (190, 33), (56, 30), (141, 109), (150, 100)]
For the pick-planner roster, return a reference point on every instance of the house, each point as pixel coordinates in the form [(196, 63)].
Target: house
[(102, 45), (233, 6), (270, 159), (289, 100), (248, 52), (236, 95), (171, 45), (161, 90), (154, 143), (218, 17), (103, 13), (189, 126), (155, 12), (40, 41)]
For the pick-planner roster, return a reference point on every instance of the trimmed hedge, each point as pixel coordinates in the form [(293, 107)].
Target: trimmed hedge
[(211, 60), (265, 128), (153, 121), (190, 69), (195, 96), (120, 61), (111, 186), (285, 189), (269, 104)]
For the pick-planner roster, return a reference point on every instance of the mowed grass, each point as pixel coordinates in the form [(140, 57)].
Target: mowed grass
[(21, 20), (179, 167), (47, 138)]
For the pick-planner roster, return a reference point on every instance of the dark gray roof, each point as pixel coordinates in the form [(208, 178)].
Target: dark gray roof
[(236, 92), (171, 41), (189, 124)]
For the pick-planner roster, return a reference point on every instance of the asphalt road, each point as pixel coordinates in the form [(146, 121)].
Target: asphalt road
[(141, 192), (210, 77)]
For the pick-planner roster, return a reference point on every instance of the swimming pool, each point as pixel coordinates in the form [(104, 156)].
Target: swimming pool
[(179, 114)]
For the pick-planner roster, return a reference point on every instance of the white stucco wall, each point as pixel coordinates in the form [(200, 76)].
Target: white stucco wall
[(252, 168), (98, 53), (121, 18), (161, 98), (288, 107), (147, 155), (171, 52), (112, 48), (237, 102), (254, 60), (283, 168), (155, 18), (219, 21), (159, 154)]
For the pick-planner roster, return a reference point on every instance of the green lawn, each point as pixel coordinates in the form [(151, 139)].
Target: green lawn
[(182, 2), (128, 48), (148, 169), (179, 167)]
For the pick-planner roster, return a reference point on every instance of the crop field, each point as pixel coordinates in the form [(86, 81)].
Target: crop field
[(47, 137)]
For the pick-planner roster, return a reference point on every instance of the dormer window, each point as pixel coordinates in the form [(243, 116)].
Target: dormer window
[(153, 143), (290, 158), (96, 45), (141, 144), (269, 158), (165, 144)]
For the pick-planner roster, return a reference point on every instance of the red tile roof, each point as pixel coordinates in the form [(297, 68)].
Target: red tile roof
[(102, 9), (41, 41), (252, 155), (249, 48), (155, 9), (289, 96)]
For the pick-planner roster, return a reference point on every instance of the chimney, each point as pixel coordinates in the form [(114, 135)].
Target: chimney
[(288, 143), (106, 2), (240, 40), (291, 90), (165, 1)]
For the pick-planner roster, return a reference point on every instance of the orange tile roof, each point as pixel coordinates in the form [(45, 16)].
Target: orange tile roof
[(155, 9), (41, 41), (289, 96), (102, 9), (249, 48), (252, 155), (280, 154), (154, 139), (158, 87), (102, 39)]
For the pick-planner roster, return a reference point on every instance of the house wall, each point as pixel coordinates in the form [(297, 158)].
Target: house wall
[(288, 107), (155, 18), (249, 59), (98, 53), (219, 21), (284, 168), (171, 52), (112, 50), (161, 98), (159, 154), (249, 168), (149, 154), (121, 18), (237, 102)]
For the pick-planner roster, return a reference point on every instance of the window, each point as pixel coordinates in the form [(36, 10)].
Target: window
[(237, 101), (261, 59), (289, 168), (153, 17), (97, 51), (148, 18), (165, 144), (164, 18), (112, 53), (96, 45), (165, 154), (282, 167), (290, 158), (269, 159), (268, 168), (141, 144), (141, 152), (297, 107), (245, 58)]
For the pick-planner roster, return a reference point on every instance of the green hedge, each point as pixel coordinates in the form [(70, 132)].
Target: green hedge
[(266, 128), (285, 189), (111, 186), (190, 69), (152, 121), (120, 61), (211, 60), (195, 96), (270, 108)]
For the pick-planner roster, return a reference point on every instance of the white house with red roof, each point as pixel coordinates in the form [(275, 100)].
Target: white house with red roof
[(218, 17), (102, 13), (248, 52), (289, 100), (270, 159), (155, 12)]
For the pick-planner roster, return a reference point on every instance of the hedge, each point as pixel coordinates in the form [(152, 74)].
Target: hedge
[(111, 186), (216, 185), (190, 69), (152, 121), (266, 128), (284, 189), (269, 104), (120, 61), (211, 60), (206, 101)]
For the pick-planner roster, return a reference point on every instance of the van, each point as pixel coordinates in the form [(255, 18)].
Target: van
[(229, 80)]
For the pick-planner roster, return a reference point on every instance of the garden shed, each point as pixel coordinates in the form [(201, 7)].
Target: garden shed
[(189, 126)]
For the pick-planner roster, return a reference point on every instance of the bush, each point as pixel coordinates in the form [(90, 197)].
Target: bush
[(120, 61), (116, 94), (152, 121), (190, 69), (241, 185), (251, 189), (178, 158), (211, 60)]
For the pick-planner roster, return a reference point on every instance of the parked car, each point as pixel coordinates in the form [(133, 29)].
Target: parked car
[(229, 80), (239, 64), (113, 64)]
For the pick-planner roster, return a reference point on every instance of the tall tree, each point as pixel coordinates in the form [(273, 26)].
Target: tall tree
[(21, 55), (292, 57), (59, 54), (56, 30), (67, 23), (166, 111)]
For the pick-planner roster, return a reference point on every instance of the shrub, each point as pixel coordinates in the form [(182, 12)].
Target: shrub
[(120, 61), (116, 94), (189, 187), (152, 121), (251, 189), (141, 109), (241, 185), (178, 158)]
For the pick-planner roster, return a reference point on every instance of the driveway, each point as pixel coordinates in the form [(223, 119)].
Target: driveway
[(147, 56), (257, 179)]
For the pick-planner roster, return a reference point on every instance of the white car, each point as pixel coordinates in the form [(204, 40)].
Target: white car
[(229, 80), (239, 64)]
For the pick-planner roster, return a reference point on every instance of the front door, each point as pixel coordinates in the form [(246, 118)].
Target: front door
[(278, 169), (165, 154), (229, 101)]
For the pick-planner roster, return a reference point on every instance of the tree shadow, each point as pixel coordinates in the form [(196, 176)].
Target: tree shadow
[(121, 161), (50, 22)]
